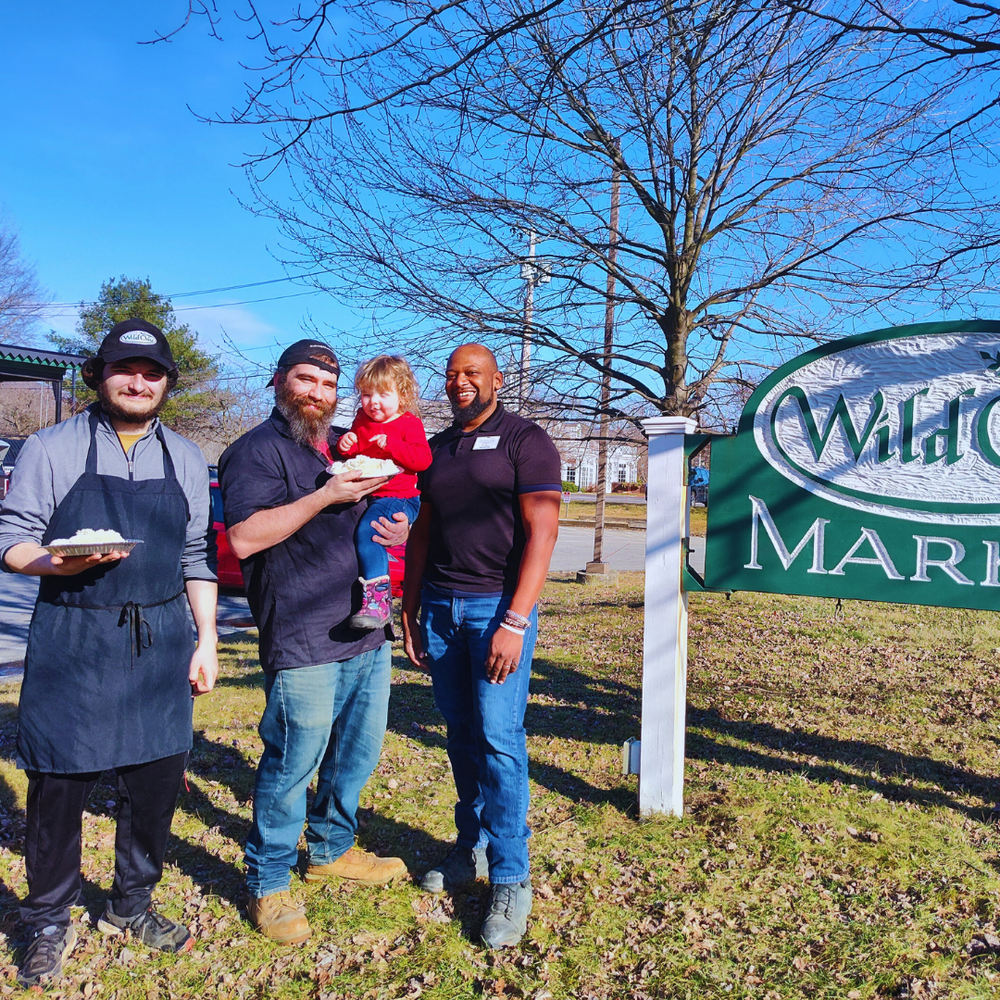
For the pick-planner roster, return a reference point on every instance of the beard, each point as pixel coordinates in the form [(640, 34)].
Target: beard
[(474, 408), (306, 425), (131, 409)]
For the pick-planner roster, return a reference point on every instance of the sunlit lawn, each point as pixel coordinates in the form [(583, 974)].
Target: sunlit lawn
[(839, 839)]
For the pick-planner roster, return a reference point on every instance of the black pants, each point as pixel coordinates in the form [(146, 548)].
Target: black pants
[(147, 796)]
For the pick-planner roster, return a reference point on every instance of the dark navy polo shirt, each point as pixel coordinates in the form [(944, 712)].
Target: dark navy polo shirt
[(299, 590), (472, 486)]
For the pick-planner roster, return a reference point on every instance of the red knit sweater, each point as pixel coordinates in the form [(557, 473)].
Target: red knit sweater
[(405, 444)]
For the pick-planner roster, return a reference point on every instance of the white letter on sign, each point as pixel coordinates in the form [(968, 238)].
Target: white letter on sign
[(815, 534), (992, 564), (949, 565), (882, 557)]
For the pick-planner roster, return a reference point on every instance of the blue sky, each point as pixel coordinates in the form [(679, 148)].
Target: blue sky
[(105, 171)]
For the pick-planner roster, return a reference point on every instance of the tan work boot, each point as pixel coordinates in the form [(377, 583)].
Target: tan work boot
[(358, 865), (279, 918)]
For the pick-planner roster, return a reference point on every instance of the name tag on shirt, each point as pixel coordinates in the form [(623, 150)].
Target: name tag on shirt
[(486, 443)]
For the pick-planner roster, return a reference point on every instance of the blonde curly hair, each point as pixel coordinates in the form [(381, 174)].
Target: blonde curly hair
[(389, 371)]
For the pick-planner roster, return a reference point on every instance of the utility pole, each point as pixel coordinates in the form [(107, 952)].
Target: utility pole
[(597, 570), (528, 273)]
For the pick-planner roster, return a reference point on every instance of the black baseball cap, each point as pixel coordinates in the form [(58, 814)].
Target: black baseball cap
[(304, 352), (135, 338)]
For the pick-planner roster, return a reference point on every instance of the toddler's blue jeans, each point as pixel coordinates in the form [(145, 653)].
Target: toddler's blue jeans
[(373, 559)]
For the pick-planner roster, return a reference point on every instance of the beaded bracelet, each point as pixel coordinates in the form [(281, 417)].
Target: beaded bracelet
[(510, 628), (513, 618)]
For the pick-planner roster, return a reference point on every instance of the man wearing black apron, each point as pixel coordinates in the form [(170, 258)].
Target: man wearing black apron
[(111, 665)]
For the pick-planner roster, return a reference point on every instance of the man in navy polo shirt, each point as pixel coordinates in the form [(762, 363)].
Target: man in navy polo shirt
[(476, 562), (327, 685)]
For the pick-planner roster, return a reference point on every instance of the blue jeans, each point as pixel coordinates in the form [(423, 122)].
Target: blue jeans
[(329, 718), (373, 559), (486, 742)]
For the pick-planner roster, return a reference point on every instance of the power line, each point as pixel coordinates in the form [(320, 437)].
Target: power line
[(182, 295), (217, 305), (252, 284), (247, 302)]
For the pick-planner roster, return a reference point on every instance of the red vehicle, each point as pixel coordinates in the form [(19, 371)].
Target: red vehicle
[(397, 557), (229, 571)]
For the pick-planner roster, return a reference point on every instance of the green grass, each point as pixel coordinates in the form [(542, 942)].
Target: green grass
[(583, 511), (635, 513), (698, 519), (839, 839)]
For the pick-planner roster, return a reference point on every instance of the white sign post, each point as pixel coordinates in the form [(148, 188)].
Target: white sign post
[(664, 638)]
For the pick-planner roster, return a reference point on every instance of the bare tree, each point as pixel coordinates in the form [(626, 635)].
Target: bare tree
[(20, 293), (243, 403), (966, 30), (780, 174), (25, 407), (960, 39)]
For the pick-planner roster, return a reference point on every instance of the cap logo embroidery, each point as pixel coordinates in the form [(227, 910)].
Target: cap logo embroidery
[(137, 337)]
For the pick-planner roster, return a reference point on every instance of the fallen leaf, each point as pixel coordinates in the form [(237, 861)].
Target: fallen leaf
[(983, 944)]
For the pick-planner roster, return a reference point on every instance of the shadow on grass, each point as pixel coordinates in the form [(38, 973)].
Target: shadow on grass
[(555, 613), (224, 764), (11, 836), (596, 709), (420, 851), (836, 755), (570, 684), (386, 836), (252, 679), (412, 711), (606, 711)]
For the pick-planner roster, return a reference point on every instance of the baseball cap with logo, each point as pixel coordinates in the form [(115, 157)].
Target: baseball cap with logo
[(135, 338), (309, 352)]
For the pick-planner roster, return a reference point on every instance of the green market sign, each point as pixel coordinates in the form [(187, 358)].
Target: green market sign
[(867, 468)]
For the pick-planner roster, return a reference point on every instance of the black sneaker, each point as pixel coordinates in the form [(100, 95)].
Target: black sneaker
[(461, 865), (149, 927), (47, 950)]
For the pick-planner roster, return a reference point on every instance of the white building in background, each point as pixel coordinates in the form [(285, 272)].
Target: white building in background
[(578, 451), (576, 441)]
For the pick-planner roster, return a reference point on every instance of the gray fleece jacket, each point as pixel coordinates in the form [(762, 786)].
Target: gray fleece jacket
[(52, 460)]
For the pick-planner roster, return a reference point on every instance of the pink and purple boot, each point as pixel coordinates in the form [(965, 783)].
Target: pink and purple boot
[(376, 604)]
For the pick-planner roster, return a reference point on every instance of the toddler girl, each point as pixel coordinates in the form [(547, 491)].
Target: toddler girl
[(386, 426)]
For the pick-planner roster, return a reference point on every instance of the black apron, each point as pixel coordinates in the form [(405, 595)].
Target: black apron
[(106, 669)]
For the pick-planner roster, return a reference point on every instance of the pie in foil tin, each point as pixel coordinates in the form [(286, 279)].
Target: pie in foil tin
[(90, 548)]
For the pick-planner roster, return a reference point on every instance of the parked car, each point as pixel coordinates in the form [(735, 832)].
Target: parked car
[(4, 480), (397, 557), (699, 486), (9, 450), (229, 571), (230, 574)]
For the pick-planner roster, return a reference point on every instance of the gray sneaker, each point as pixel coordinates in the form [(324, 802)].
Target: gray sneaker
[(507, 917), (47, 950), (149, 927), (461, 865)]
